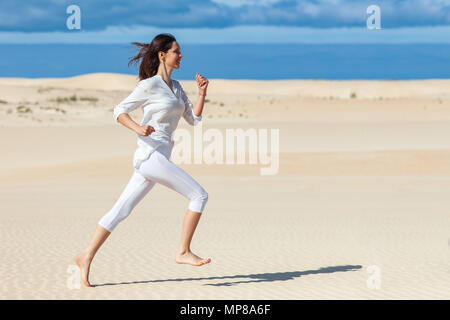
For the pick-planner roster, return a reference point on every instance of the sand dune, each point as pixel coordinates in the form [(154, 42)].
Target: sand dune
[(361, 193)]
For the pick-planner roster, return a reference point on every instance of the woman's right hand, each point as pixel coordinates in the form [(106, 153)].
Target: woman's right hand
[(145, 130)]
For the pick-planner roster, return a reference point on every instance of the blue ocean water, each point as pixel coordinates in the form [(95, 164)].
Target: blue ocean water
[(238, 61)]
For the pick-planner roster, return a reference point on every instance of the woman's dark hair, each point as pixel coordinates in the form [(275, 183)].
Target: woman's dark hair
[(149, 54)]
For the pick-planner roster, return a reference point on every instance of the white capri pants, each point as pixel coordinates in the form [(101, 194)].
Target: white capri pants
[(156, 169)]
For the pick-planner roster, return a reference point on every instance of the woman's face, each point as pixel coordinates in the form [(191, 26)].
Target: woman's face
[(173, 56)]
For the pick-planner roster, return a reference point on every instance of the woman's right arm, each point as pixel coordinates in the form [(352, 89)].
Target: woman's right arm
[(126, 120), (136, 99)]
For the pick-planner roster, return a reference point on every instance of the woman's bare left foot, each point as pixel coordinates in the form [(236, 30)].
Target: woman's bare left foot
[(83, 262), (190, 258)]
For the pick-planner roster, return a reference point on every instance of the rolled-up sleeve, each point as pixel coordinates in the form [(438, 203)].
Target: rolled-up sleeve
[(188, 114), (136, 99)]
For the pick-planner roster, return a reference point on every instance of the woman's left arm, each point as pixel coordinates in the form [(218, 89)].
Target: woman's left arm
[(193, 114), (202, 84)]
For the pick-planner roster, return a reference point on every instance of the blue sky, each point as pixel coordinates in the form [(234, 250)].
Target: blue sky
[(225, 21)]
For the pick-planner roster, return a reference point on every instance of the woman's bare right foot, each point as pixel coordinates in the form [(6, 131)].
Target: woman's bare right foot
[(84, 263), (190, 258)]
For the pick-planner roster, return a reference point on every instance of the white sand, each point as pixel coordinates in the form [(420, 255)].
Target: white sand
[(363, 183)]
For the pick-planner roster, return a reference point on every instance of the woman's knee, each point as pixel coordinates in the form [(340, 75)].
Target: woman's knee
[(135, 190), (203, 195), (110, 220), (198, 201)]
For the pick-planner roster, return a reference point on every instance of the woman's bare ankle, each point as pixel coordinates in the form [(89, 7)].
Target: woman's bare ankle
[(87, 255)]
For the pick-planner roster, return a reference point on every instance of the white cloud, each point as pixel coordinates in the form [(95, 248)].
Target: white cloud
[(50, 15), (239, 34), (240, 3)]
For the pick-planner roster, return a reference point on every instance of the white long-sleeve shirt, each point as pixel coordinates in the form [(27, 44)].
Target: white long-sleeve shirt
[(162, 110)]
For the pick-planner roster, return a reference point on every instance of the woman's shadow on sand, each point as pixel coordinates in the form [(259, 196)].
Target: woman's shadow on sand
[(258, 277)]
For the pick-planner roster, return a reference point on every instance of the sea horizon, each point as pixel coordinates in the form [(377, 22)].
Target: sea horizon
[(417, 61)]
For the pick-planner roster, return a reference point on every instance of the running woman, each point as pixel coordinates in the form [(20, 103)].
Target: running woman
[(163, 102)]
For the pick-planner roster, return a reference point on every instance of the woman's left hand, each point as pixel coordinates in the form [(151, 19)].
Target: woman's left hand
[(202, 83)]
